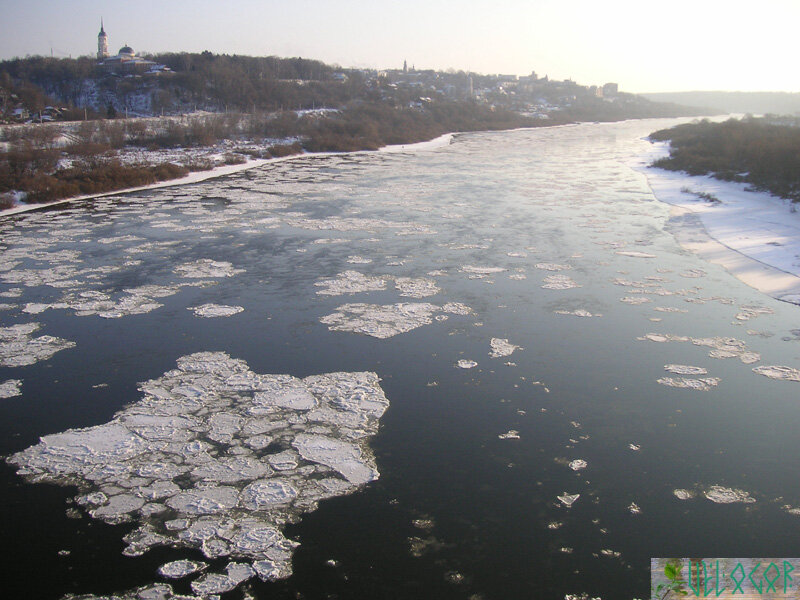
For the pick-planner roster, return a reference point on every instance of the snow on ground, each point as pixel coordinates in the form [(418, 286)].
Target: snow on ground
[(216, 155), (754, 235)]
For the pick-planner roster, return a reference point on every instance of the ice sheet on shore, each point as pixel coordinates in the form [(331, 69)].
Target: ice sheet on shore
[(181, 464), (384, 321), (754, 235)]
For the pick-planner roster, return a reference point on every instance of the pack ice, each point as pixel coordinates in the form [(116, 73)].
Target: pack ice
[(218, 458)]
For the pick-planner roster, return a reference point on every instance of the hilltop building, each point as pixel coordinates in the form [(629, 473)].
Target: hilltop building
[(125, 61), (102, 43)]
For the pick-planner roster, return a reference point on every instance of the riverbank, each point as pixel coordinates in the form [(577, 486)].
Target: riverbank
[(755, 236), (222, 170)]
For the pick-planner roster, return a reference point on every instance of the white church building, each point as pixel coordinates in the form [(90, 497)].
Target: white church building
[(125, 60)]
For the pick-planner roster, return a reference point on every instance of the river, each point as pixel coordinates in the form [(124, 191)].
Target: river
[(570, 392)]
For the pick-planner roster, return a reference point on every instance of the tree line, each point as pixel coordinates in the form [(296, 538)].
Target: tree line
[(763, 152)]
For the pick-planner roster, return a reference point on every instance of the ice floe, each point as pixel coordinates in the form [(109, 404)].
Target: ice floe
[(568, 499), (205, 267), (416, 287), (552, 267), (18, 348), (215, 310), (559, 282), (634, 254), (579, 312), (778, 372), (350, 282), (181, 568), (473, 270), (723, 495), (578, 464), (511, 434), (685, 370), (502, 347), (701, 384), (384, 321), (358, 260), (466, 364), (180, 462), (682, 494), (10, 388)]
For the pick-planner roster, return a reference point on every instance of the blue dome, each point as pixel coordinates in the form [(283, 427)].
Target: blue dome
[(126, 50)]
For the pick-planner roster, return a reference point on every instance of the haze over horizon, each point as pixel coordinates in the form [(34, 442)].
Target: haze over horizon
[(695, 45)]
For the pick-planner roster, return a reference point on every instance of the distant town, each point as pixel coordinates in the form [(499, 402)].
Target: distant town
[(106, 122), (126, 84)]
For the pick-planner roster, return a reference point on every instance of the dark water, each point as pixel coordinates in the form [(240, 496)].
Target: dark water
[(581, 387)]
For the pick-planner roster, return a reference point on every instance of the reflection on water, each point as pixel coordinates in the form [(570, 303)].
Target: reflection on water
[(563, 454)]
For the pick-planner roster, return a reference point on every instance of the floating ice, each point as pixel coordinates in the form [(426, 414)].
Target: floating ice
[(685, 370), (568, 499), (749, 312), (702, 385), (579, 312), (419, 287), (481, 270), (681, 494), (559, 282), (466, 364), (723, 495), (10, 388), (502, 347), (206, 267), (457, 308), (634, 508), (188, 443), (670, 309), (358, 260), (634, 447), (511, 434), (181, 568), (634, 254), (384, 321), (215, 310), (635, 300), (19, 349), (578, 464), (350, 282), (552, 267), (693, 273), (778, 372)]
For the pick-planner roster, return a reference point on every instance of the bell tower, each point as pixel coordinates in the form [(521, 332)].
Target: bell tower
[(102, 43)]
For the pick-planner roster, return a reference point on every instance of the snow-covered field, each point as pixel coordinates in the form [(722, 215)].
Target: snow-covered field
[(754, 235)]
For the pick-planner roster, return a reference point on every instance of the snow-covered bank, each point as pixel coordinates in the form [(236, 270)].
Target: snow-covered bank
[(754, 235), (197, 176)]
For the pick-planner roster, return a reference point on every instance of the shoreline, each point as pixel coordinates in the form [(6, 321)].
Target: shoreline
[(754, 236), (222, 170)]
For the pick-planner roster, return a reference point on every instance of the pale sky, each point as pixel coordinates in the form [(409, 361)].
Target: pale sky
[(644, 45)]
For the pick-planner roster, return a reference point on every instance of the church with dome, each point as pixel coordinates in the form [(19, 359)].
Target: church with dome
[(125, 61)]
